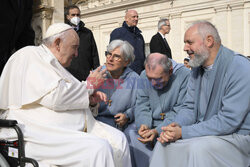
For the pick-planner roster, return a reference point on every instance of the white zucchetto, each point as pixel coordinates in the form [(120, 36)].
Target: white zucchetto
[(56, 28)]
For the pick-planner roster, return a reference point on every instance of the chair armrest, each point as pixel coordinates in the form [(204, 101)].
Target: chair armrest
[(7, 123)]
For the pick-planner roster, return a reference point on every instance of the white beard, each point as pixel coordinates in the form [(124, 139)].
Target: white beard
[(199, 57)]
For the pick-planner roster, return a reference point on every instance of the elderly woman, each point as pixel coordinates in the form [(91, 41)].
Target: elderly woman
[(120, 86)]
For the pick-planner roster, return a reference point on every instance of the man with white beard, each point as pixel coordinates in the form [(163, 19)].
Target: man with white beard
[(213, 126)]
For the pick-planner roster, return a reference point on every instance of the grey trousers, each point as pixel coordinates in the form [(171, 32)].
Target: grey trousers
[(208, 151), (140, 153)]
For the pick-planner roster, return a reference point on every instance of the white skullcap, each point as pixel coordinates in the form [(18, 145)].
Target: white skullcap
[(56, 28)]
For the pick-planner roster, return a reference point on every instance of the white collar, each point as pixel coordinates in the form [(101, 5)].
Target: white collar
[(163, 36)]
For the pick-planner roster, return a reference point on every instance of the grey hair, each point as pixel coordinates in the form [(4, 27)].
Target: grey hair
[(206, 28), (151, 62), (126, 49), (162, 22), (49, 41)]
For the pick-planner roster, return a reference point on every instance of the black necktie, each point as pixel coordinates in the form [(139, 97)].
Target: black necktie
[(18, 3), (168, 48), (165, 42)]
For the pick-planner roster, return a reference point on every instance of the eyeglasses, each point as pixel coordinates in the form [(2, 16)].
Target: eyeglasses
[(114, 56), (74, 14), (157, 80)]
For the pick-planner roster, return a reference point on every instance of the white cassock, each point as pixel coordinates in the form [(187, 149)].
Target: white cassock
[(52, 109)]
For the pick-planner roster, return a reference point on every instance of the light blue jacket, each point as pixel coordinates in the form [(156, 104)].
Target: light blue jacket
[(122, 92), (229, 98)]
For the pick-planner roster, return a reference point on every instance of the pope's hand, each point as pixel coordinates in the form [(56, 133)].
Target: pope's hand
[(96, 78), (97, 97)]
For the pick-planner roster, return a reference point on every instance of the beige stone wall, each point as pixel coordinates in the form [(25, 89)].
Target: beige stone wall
[(231, 17), (45, 13)]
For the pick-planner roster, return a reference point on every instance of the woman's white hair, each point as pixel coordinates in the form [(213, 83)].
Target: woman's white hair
[(126, 49)]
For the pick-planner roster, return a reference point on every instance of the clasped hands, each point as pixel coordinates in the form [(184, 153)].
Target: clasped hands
[(170, 133), (146, 135)]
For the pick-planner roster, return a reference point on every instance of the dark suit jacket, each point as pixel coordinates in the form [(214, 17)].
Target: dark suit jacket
[(157, 44), (15, 27)]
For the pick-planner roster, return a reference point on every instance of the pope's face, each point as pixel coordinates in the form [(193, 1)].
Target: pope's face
[(68, 48)]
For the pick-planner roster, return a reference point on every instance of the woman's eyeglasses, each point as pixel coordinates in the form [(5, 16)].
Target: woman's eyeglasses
[(114, 56)]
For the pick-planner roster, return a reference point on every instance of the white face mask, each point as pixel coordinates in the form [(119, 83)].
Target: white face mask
[(75, 20)]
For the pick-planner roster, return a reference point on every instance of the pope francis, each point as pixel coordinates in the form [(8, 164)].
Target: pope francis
[(53, 108)]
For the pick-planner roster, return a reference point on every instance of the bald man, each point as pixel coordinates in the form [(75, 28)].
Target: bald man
[(52, 107), (154, 104), (131, 33)]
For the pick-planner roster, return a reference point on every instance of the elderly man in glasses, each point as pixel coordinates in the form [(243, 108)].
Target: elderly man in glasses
[(157, 104)]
